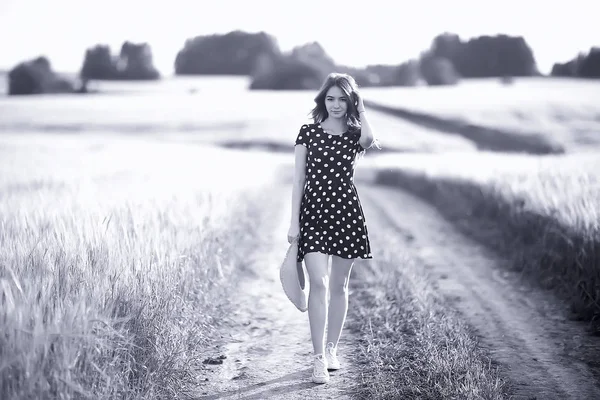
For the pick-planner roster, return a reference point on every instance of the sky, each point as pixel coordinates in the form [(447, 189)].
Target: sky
[(354, 33)]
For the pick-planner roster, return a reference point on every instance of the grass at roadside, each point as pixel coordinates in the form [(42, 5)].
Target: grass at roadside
[(116, 260), (541, 212), (412, 345)]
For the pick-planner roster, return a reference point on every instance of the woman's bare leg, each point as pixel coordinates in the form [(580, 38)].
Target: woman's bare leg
[(338, 302), (316, 265)]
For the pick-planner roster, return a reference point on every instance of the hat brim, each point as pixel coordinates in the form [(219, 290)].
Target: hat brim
[(293, 280)]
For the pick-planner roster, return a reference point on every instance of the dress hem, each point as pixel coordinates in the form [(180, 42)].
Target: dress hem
[(300, 259)]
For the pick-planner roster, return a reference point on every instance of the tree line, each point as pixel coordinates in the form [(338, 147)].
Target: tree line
[(448, 59), (257, 55), (133, 62)]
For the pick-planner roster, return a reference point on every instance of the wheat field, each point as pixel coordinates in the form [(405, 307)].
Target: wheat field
[(116, 257), (121, 229)]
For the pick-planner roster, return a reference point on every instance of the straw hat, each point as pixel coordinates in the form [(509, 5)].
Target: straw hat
[(292, 277)]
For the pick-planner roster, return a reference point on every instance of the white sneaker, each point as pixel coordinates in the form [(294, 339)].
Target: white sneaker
[(320, 374), (330, 355)]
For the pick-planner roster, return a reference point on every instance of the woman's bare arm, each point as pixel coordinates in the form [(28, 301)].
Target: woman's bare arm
[(299, 181), (367, 138)]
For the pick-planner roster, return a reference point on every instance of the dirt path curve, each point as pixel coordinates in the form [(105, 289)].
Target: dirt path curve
[(269, 353), (524, 331)]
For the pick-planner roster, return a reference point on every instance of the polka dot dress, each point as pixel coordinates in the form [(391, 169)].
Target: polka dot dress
[(331, 217)]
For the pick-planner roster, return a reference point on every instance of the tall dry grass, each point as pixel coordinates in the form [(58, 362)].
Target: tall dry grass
[(542, 213), (114, 274), (413, 346)]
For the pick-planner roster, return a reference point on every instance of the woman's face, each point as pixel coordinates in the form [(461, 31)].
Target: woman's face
[(336, 102)]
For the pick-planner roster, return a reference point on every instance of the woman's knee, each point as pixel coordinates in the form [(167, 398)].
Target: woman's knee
[(320, 283), (339, 286), (316, 265), (340, 276)]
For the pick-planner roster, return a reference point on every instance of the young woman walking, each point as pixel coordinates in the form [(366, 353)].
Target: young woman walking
[(327, 216)]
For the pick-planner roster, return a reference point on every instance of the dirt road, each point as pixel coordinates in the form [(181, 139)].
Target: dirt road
[(524, 329), (268, 353)]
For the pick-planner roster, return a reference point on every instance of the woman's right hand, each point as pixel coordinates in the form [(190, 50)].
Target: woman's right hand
[(293, 233)]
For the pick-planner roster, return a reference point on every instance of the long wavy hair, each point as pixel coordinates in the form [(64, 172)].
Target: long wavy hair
[(348, 86)]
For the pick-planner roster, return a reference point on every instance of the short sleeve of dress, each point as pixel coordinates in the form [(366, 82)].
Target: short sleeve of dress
[(303, 136)]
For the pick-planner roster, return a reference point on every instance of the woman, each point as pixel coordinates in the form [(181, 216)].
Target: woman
[(327, 217)]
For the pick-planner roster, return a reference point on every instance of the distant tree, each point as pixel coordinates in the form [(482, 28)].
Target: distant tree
[(314, 55), (568, 69), (134, 62), (98, 64), (486, 56), (285, 73), (582, 66), (500, 55), (447, 45), (437, 70), (590, 65), (304, 67), (234, 53), (408, 74), (36, 77)]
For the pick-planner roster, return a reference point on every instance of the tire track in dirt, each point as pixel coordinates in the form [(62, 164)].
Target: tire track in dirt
[(267, 347), (522, 328)]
